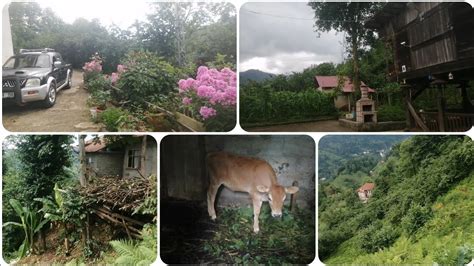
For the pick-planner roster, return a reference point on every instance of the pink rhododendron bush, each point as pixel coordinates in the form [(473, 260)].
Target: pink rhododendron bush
[(141, 94), (211, 98)]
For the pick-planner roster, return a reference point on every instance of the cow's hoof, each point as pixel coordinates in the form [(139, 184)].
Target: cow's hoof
[(213, 217), (256, 230)]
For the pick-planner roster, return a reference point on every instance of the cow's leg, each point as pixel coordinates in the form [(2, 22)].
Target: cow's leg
[(211, 196), (257, 204)]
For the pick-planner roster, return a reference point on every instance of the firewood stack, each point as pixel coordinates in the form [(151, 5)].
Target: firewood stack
[(116, 199)]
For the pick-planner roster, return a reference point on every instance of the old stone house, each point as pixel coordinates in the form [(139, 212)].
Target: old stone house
[(126, 162), (365, 191)]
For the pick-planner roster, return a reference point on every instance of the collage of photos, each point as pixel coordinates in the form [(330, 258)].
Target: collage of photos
[(238, 132)]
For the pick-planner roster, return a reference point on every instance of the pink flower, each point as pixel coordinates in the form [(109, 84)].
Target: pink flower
[(185, 84), (207, 112), (201, 71), (187, 101), (92, 66), (114, 77), (210, 89), (205, 91), (120, 69)]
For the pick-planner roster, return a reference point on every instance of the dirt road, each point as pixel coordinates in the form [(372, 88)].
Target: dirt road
[(70, 110)]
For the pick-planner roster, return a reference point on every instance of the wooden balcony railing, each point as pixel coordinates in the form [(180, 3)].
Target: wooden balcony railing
[(454, 122)]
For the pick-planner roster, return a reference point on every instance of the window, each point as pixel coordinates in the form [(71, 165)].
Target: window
[(133, 159), (28, 61)]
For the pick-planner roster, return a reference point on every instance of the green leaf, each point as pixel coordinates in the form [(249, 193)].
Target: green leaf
[(40, 225), (17, 207), (58, 196), (12, 223)]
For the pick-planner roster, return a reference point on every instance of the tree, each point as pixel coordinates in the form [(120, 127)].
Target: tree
[(24, 21), (348, 17), (82, 159), (171, 26), (44, 158), (218, 37)]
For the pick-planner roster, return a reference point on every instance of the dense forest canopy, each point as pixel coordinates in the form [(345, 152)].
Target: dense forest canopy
[(181, 33), (416, 211)]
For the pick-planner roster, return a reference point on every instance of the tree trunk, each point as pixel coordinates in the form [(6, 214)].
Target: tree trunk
[(82, 159), (355, 58)]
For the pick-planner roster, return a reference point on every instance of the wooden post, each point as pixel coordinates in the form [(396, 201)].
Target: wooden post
[(441, 106), (293, 198), (410, 122), (466, 103), (143, 156), (82, 160)]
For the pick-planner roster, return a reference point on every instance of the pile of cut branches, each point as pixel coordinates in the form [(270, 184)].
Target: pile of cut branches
[(124, 194)]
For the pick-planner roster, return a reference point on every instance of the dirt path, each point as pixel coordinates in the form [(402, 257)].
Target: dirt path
[(70, 110), (318, 126)]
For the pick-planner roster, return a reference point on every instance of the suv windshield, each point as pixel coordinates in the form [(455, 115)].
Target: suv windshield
[(28, 61)]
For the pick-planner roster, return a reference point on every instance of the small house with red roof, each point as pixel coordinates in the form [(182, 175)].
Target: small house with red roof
[(365, 191), (331, 83)]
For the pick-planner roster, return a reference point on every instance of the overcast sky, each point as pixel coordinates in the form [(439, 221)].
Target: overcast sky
[(281, 39), (121, 13)]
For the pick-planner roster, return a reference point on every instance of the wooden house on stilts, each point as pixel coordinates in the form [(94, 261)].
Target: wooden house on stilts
[(432, 45)]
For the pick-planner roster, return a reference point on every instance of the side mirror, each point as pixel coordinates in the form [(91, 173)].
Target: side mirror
[(57, 64)]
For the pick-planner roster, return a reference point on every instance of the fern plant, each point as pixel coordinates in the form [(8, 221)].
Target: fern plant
[(137, 253)]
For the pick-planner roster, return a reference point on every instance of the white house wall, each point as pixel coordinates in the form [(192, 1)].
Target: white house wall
[(7, 43), (151, 160)]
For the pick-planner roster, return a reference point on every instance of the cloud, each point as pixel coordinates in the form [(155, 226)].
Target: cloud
[(280, 37), (283, 63)]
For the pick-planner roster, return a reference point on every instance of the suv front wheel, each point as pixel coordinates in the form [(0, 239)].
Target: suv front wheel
[(51, 96)]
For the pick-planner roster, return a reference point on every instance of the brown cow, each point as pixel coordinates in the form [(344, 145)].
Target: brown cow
[(244, 174)]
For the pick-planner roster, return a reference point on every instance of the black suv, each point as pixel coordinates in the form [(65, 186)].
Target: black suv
[(35, 75)]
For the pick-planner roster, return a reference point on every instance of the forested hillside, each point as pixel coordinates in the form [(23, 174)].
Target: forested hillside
[(254, 75), (351, 154), (419, 212)]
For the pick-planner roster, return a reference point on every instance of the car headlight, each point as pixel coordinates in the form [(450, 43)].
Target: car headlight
[(32, 82)]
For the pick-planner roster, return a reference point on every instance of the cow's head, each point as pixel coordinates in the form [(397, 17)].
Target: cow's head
[(276, 196)]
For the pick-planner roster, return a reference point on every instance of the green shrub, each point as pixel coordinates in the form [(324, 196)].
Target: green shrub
[(137, 253), (390, 113), (147, 76), (31, 223), (377, 237), (111, 118), (263, 104), (416, 217)]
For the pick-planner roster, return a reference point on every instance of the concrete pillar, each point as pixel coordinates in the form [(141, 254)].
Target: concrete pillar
[(7, 43)]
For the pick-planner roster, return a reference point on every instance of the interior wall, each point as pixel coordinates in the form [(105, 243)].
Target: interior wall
[(184, 175)]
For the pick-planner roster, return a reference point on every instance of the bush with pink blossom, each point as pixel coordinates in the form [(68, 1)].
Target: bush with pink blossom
[(93, 68), (211, 97)]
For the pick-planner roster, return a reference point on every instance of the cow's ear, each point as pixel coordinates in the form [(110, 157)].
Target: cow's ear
[(291, 190), (263, 189)]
